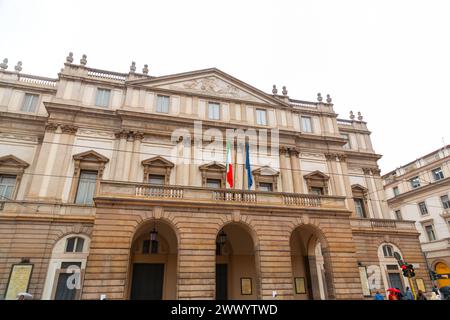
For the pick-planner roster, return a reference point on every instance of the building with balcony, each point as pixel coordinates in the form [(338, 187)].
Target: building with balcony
[(117, 184), (420, 191)]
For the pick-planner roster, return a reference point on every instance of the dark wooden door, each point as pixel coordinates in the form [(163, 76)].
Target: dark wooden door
[(147, 283), (221, 281)]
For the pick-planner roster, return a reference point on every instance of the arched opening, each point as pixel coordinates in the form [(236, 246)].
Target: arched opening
[(66, 268), (153, 262), (236, 276), (442, 269), (391, 274), (308, 257)]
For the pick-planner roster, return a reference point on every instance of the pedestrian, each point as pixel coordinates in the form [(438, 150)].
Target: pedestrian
[(421, 296), (378, 296), (434, 296), (409, 295), (399, 294), (392, 296)]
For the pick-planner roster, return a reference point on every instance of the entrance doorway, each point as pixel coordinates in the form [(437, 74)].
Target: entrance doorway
[(235, 263), (147, 281), (153, 263), (221, 281)]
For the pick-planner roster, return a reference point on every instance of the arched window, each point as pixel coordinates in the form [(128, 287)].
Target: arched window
[(388, 251), (74, 244)]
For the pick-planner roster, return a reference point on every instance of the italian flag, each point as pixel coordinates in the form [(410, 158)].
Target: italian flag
[(229, 166)]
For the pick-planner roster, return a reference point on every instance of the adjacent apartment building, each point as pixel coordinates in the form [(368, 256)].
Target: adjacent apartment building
[(420, 191), (194, 185)]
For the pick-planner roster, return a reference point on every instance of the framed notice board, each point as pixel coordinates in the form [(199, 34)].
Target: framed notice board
[(19, 280)]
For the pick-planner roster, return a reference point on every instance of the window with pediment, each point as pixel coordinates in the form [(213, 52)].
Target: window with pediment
[(11, 173), (213, 172), (317, 182), (88, 171), (157, 170), (360, 199), (266, 179)]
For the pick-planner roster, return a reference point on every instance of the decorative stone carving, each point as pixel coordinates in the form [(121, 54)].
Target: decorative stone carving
[(213, 170), (342, 157), (83, 60), (69, 58), (317, 179), (145, 69), (352, 116), (18, 66), (133, 67), (51, 127), (360, 117), (4, 64), (294, 151), (283, 150), (10, 164), (328, 98), (284, 92), (122, 134), (319, 97), (69, 129), (138, 135), (212, 86), (266, 175), (330, 156), (274, 90), (367, 171)]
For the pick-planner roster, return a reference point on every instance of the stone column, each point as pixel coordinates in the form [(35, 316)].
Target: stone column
[(346, 181), (136, 156), (283, 170), (372, 194), (179, 163), (122, 135), (43, 159), (332, 171), (127, 156), (295, 170)]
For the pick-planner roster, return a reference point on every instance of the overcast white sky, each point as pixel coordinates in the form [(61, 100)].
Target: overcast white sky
[(388, 59)]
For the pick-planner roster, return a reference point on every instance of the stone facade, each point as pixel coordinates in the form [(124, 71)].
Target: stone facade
[(115, 173)]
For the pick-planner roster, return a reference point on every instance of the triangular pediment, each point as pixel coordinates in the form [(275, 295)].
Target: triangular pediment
[(316, 175), (213, 166), (157, 161), (358, 187), (209, 82), (265, 171), (12, 161), (91, 156)]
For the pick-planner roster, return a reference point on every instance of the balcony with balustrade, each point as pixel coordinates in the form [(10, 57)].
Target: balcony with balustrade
[(383, 225), (143, 193)]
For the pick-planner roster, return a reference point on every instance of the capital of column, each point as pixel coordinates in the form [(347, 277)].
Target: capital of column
[(138, 135), (122, 134), (69, 129), (51, 127), (294, 152)]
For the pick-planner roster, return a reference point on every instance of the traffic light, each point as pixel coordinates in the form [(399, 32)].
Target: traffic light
[(405, 270), (411, 271)]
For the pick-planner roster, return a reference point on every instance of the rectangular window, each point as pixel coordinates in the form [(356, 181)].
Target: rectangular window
[(445, 202), (396, 191), (261, 117), (306, 124), (359, 206), (30, 102), (213, 183), (7, 185), (398, 215), (146, 246), (415, 182), (86, 187), (102, 99), (162, 104), (430, 233), (156, 179), (347, 138), (213, 111), (423, 208), (316, 190), (438, 174), (264, 186)]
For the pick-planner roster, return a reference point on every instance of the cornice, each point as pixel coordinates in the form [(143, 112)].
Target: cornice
[(419, 190)]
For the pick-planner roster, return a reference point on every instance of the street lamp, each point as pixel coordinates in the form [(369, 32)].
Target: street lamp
[(153, 233), (222, 237)]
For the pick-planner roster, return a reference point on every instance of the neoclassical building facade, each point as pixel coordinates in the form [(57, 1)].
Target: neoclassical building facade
[(115, 185), (420, 191)]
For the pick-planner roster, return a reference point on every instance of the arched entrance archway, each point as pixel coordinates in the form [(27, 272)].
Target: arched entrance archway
[(153, 262), (236, 276), (310, 278)]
